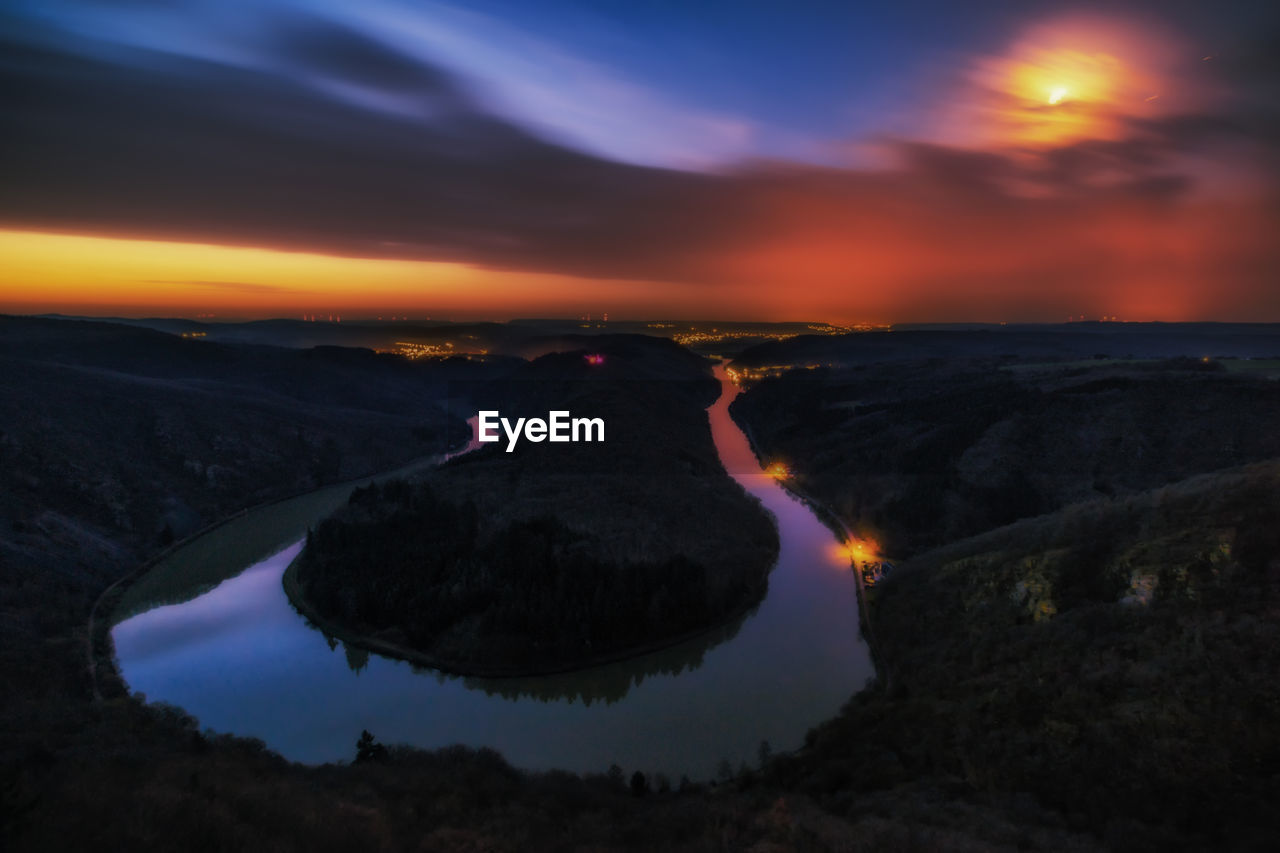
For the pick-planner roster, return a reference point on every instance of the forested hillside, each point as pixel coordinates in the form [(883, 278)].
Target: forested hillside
[(1114, 663), (555, 553), (919, 454)]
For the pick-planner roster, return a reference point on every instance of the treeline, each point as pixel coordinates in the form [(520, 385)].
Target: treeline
[(918, 455), (408, 566)]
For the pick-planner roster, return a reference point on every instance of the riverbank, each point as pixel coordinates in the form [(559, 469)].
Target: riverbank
[(417, 657), (842, 533), (191, 578), (692, 709)]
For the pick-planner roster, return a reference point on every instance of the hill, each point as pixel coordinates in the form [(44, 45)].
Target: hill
[(554, 555), (1114, 662), (1062, 342), (918, 454), (115, 441), (1033, 701)]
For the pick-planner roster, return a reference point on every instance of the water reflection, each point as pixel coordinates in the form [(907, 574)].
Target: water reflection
[(610, 683), (242, 660), (607, 683), (357, 658)]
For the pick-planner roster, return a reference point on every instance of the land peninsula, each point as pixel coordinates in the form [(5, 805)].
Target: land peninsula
[(553, 556)]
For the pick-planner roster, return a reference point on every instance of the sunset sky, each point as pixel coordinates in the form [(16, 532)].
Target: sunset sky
[(780, 160)]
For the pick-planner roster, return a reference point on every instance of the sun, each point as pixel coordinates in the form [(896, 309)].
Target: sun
[(1057, 94)]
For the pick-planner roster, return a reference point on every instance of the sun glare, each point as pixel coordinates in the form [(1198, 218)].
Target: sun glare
[(1103, 69)]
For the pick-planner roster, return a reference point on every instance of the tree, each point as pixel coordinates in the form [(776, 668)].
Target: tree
[(368, 749), (357, 658), (615, 775), (639, 785)]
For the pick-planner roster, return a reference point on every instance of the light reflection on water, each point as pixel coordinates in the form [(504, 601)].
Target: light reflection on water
[(242, 660)]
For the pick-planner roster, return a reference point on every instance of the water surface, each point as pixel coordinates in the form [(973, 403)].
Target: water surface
[(242, 660)]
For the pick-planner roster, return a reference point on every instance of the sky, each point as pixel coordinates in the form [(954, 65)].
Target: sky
[(834, 161)]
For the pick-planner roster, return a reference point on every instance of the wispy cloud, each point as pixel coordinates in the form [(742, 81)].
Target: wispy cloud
[(546, 87), (392, 56)]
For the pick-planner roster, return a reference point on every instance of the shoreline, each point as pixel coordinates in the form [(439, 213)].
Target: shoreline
[(349, 635), (386, 648), (100, 648), (837, 526)]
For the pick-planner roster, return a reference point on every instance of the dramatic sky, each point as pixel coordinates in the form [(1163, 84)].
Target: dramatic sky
[(778, 159)]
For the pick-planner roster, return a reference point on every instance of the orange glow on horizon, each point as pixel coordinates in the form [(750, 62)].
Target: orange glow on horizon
[(893, 259), (75, 273), (1062, 173)]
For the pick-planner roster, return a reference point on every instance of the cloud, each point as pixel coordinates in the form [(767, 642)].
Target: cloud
[(1139, 221), (400, 57), (182, 148), (314, 45), (559, 94)]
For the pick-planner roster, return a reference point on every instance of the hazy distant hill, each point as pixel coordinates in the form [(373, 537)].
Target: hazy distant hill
[(1068, 341), (330, 375)]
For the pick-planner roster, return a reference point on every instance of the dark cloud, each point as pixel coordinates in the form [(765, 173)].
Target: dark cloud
[(188, 149), (180, 148)]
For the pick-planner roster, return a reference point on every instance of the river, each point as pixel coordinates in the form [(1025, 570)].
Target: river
[(241, 660)]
